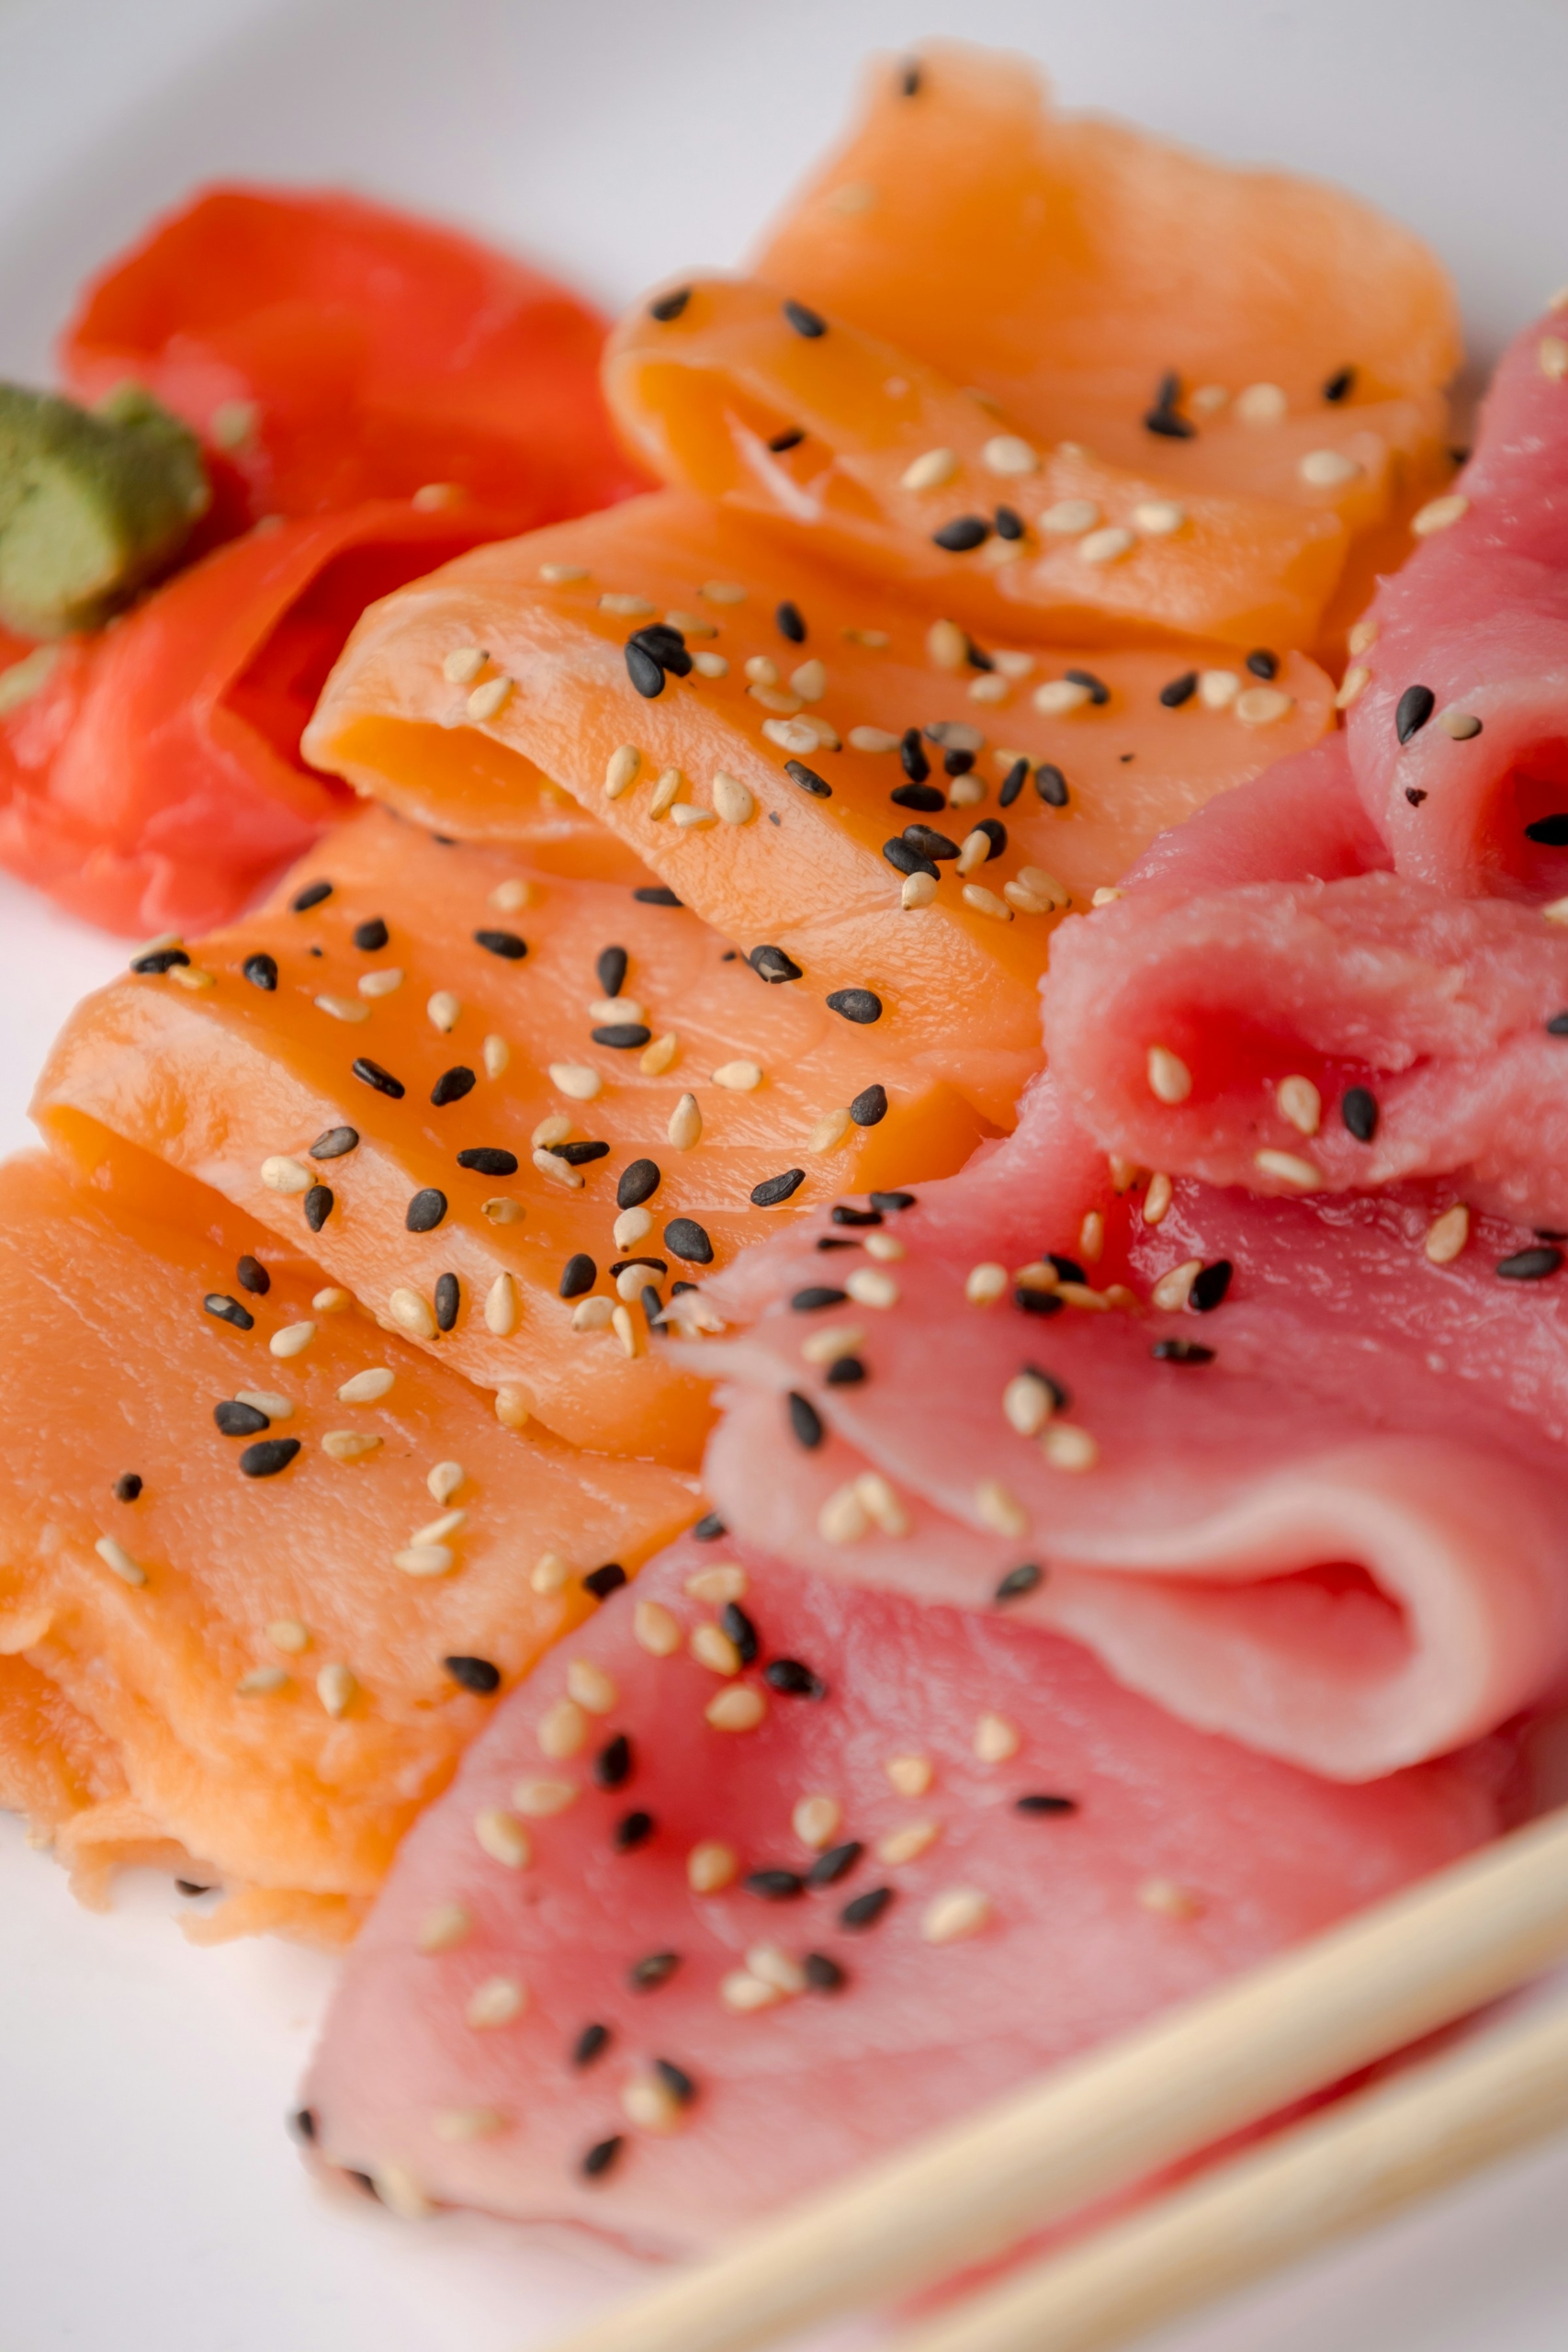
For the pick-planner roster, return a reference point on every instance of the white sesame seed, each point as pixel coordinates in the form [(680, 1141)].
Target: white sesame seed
[(1328, 469), (1217, 689), (1007, 453), (988, 688), (947, 645), (712, 1648), (761, 670), (115, 1555), (828, 1130), (411, 1313), (456, 2125), (876, 640), (497, 1056), (1159, 518), (916, 890), (593, 1315), (723, 591), (501, 1306), (626, 1332), (195, 976), (1069, 517), (463, 664), (1206, 399), (1363, 637), (743, 1992), (1172, 1901), (685, 1124), (396, 2186), (1174, 1288), (563, 575), (382, 983), (871, 739), (630, 1281), (1553, 353), (1438, 514), (445, 1011), (907, 1844), (541, 1799), (1556, 910), (710, 665), (365, 1386), (771, 1965), (621, 771), (616, 1008), (1058, 696), (655, 1629), (425, 1560), (687, 818), (816, 1821), (287, 1634), (435, 497), (885, 1245), (1027, 1403), (444, 1479), (1091, 1235), (869, 1287), (690, 624), (964, 792), (1034, 892), (440, 1530), (501, 1210), (666, 792), (331, 1301), (1461, 725), (631, 608), (504, 1837), (562, 1730), (559, 1171), (655, 1056), (1107, 545), (843, 1518), (738, 1078), (443, 1929), (985, 1284), (1446, 1235), (711, 1865), (1301, 1104), (1353, 682), (1067, 1447), (340, 1007), (280, 1175), (972, 850), (335, 1688), (511, 1406), (1169, 1078), (490, 700), (738, 1707), (495, 2003), (963, 1911), (1288, 1169), (999, 1510), (931, 470), (995, 1740), (734, 803), (725, 1581), (881, 1504), (810, 680), (1263, 705), (1158, 1199), (550, 1573), (910, 1775), (349, 1446), (1261, 404), (292, 1341), (781, 699), (794, 735), (985, 902)]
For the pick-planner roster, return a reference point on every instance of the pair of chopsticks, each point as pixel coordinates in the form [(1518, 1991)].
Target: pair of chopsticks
[(1173, 2087)]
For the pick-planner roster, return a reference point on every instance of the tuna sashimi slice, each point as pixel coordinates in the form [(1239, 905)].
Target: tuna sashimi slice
[(807, 769), (762, 1875), (1278, 1468), (248, 1621), (440, 1022)]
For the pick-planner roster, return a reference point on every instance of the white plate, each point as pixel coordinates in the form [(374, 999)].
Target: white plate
[(149, 2200)]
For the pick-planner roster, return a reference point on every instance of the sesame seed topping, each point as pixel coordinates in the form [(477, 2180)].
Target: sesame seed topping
[(349, 1446), (1169, 1078), (1107, 546), (1287, 1168), (1006, 453), (738, 1708), (995, 1740), (425, 1560), (336, 1688), (1301, 1104), (312, 895), (511, 1406), (562, 1732), (931, 470), (1263, 705), (1438, 514), (1059, 696), (1172, 1901), (907, 1844), (1067, 1447), (1261, 404), (1552, 353), (495, 2002), (261, 971), (711, 1866), (115, 1556), (985, 1284), (1159, 518), (1328, 469), (1531, 1265), (502, 1837), (865, 1910), (443, 1929), (962, 534)]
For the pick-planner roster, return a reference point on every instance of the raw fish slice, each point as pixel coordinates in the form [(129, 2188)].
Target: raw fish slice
[(489, 2046), (882, 454), (441, 1029), (1327, 1038), (1302, 819), (1106, 768), (1478, 618), (237, 1666)]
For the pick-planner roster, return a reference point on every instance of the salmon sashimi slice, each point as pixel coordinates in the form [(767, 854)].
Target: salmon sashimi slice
[(876, 460), (263, 1564), (840, 759), (517, 1116), (1280, 1471), (829, 1869), (1066, 266)]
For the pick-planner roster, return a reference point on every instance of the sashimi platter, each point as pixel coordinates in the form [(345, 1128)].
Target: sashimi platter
[(799, 1334)]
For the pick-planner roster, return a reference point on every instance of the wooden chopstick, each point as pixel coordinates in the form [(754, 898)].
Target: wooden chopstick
[(1176, 2085), (1358, 2164)]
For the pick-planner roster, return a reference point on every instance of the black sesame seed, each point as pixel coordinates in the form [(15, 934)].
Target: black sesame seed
[(1263, 663), (770, 964), (844, 1215), (452, 1085), (816, 1295), (610, 969), (676, 1288), (504, 943), (1067, 1269), (228, 1310), (476, 1674), (371, 936), (861, 1006), (891, 1201), (654, 1969), (603, 2153), (1558, 1025), (653, 1307), (601, 1582), (1099, 692), (1414, 796), (1414, 708), (774, 1886), (1162, 417), (833, 1241), (660, 1266), (624, 1035), (1551, 831), (235, 1419), (912, 755), (335, 1143), (1020, 1580), (1041, 1805), (905, 858), (1181, 1352), (709, 1528), (269, 1456), (910, 79), (805, 322), (805, 1421), (425, 1211), (449, 1299), (637, 1182), (789, 438), (1209, 1288), (870, 1106), (191, 1886), (590, 2043), (1359, 1112), (655, 894), (808, 780), (667, 646), (633, 1829), (866, 1909), (1339, 384), (1008, 522), (127, 1487), (996, 833), (823, 1974), (579, 1155), (310, 896), (741, 1632), (1179, 690), (302, 2123), (676, 2080), (689, 1240), (261, 971), (774, 1189), (957, 762), (669, 307), (372, 1074), (489, 1160), (613, 1766), (834, 1864), (795, 1679), (964, 533), (362, 2180), (1036, 1302), (845, 1372), (253, 1276), (319, 1204), (1529, 1265), (791, 622), (159, 959), (1050, 785), (578, 1274), (1013, 783)]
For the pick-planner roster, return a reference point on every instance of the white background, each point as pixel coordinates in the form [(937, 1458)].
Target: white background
[(149, 2201)]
